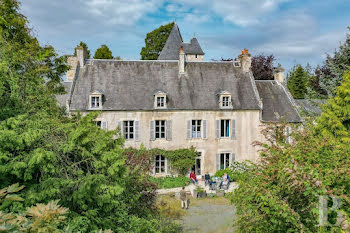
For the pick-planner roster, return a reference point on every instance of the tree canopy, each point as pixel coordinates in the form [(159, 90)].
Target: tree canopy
[(262, 67), (84, 45), (297, 82), (155, 41), (103, 53)]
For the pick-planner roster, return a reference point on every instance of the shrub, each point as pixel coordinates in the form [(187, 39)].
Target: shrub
[(235, 170), (170, 182)]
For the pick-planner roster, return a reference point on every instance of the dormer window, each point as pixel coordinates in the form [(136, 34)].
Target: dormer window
[(95, 100), (225, 100), (160, 100), (236, 63)]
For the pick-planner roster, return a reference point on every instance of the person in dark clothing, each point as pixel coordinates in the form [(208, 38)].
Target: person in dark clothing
[(207, 179)]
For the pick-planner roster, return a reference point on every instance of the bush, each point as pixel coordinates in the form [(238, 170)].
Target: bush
[(235, 171), (170, 182)]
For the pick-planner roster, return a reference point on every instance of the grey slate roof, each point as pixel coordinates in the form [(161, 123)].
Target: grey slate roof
[(276, 102), (310, 107), (173, 44), (193, 47), (62, 98), (130, 85)]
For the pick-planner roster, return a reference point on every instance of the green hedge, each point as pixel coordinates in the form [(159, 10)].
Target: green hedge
[(170, 182)]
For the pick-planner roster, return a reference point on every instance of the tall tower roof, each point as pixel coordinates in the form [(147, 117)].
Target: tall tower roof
[(173, 44)]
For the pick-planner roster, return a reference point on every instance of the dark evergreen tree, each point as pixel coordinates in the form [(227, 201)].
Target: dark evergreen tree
[(155, 42), (297, 82), (103, 53)]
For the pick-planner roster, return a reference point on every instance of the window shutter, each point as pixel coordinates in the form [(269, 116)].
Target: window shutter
[(217, 129), (169, 130), (189, 133), (233, 124), (137, 131), (205, 130), (167, 165), (120, 125), (152, 132), (217, 162), (104, 125)]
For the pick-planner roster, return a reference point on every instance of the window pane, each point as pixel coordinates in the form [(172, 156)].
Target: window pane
[(227, 128), (222, 161), (227, 160), (222, 128)]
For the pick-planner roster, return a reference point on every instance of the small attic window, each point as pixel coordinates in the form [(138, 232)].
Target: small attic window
[(196, 55), (95, 101), (160, 100), (236, 63), (225, 100)]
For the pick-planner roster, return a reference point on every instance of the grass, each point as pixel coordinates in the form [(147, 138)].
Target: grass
[(170, 182), (170, 207)]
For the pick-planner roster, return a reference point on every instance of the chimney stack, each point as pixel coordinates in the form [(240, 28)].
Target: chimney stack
[(246, 60), (278, 74), (81, 55), (181, 61)]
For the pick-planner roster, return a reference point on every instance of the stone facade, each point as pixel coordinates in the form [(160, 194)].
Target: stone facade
[(194, 57), (247, 130)]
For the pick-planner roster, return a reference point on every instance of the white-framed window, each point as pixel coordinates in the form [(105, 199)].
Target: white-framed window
[(160, 129), (236, 63), (95, 101), (196, 128), (159, 164), (224, 128), (225, 101), (129, 129), (102, 124), (160, 100), (224, 160)]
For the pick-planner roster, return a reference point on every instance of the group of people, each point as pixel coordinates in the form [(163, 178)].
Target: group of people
[(225, 182), (207, 180)]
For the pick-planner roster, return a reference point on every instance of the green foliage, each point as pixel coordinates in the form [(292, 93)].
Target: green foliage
[(236, 169), (297, 81), (280, 193), (155, 42), (181, 160), (330, 75), (335, 119), (103, 53), (170, 182), (84, 45)]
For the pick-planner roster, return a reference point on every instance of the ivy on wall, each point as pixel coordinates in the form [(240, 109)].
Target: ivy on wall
[(181, 160)]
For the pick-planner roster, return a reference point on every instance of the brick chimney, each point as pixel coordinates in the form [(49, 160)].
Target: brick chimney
[(246, 60), (81, 55), (181, 61), (278, 74)]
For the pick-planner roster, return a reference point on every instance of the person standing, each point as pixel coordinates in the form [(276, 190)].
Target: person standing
[(207, 179), (183, 198)]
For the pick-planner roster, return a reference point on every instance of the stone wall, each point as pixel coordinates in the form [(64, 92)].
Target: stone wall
[(191, 57), (72, 62)]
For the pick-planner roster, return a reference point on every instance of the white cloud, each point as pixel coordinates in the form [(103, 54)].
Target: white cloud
[(120, 11), (239, 12)]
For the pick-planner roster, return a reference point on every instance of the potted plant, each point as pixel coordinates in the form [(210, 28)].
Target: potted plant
[(201, 192)]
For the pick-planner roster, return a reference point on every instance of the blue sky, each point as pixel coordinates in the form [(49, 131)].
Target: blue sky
[(295, 31)]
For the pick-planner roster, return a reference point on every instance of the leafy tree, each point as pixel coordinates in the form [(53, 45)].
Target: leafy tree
[(103, 53), (281, 192), (262, 67), (29, 74), (155, 42), (84, 45), (330, 75), (297, 82)]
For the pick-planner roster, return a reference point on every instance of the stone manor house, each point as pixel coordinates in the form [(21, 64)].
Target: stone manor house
[(179, 101)]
